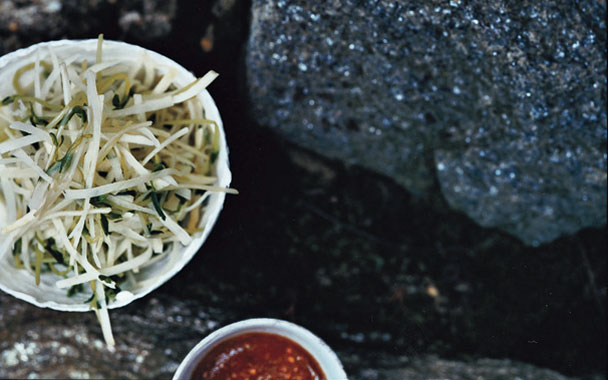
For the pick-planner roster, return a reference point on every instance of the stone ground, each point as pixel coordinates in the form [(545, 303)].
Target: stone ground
[(326, 245)]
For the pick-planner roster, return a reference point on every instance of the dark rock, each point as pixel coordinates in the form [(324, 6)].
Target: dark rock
[(432, 367), (503, 104), (156, 334), (28, 21), (145, 19), (153, 337), (33, 17)]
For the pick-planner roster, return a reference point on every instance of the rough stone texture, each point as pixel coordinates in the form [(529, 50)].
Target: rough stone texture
[(502, 103), (157, 333), (432, 367)]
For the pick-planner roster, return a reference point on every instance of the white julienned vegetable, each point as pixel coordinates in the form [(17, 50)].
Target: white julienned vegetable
[(104, 169)]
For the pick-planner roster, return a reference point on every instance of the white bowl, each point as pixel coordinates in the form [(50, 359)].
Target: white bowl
[(20, 283), (325, 357)]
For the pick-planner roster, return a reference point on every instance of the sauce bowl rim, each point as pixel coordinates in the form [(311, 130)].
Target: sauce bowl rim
[(326, 358)]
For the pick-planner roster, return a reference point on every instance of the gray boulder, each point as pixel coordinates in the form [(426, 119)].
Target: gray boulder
[(502, 104)]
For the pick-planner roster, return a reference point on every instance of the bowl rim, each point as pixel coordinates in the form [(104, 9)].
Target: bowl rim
[(11, 61), (326, 358)]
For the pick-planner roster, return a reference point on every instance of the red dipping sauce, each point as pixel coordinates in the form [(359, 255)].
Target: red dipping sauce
[(256, 356)]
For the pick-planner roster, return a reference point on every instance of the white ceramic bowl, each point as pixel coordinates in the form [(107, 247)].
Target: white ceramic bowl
[(327, 359), (20, 283)]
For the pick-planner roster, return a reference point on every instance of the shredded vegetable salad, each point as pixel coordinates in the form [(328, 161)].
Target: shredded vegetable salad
[(105, 167)]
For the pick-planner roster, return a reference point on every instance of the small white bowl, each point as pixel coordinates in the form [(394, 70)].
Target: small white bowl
[(325, 357), (20, 283)]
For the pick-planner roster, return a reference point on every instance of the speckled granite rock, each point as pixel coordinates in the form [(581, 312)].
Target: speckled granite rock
[(502, 103)]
